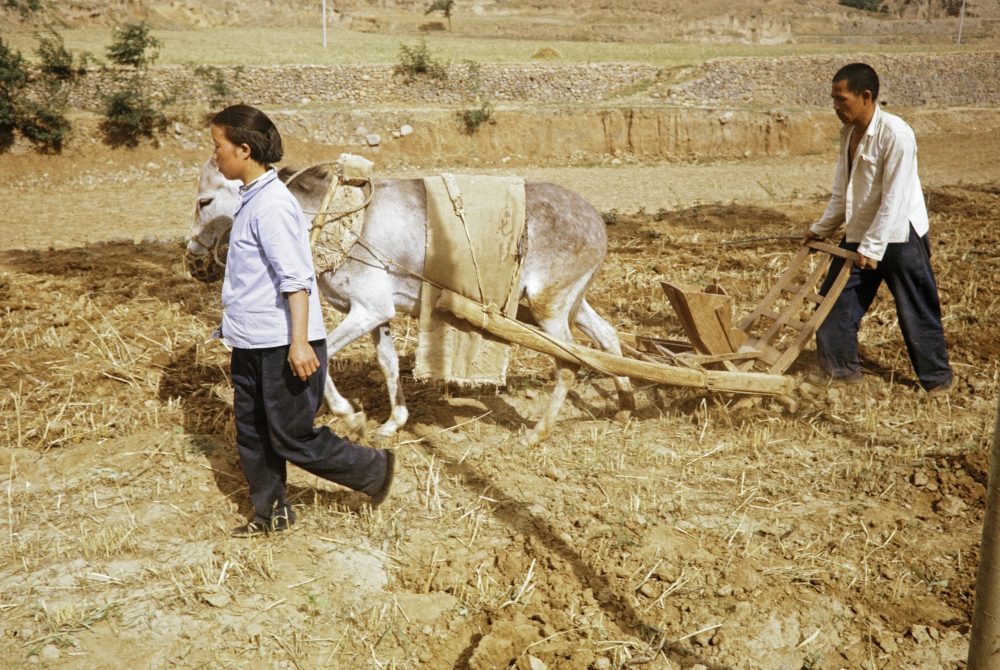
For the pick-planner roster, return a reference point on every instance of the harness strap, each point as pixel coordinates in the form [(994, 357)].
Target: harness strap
[(455, 193)]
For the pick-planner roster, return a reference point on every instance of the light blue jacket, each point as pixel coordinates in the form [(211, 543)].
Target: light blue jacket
[(269, 256)]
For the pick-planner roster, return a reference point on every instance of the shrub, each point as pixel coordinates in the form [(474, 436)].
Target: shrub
[(13, 79), (219, 91), (133, 46), (56, 61), (866, 5), (44, 123), (129, 112), (417, 61), (482, 111), (443, 6), (129, 115), (477, 116), (35, 108)]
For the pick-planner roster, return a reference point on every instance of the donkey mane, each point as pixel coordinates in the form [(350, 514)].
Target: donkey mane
[(312, 180)]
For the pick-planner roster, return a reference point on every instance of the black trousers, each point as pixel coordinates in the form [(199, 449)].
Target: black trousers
[(274, 412), (906, 270)]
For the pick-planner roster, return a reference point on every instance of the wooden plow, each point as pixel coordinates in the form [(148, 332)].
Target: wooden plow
[(750, 358)]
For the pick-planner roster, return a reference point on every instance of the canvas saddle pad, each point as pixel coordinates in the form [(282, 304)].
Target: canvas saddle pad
[(474, 225)]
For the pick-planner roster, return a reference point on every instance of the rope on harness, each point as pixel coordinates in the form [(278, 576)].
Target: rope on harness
[(455, 193)]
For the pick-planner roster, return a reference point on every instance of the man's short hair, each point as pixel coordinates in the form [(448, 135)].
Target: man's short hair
[(860, 77)]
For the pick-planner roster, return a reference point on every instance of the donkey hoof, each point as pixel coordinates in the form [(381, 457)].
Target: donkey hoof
[(356, 422), (529, 440), (386, 430), (623, 416)]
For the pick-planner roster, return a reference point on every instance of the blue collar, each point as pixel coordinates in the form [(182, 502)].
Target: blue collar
[(248, 191)]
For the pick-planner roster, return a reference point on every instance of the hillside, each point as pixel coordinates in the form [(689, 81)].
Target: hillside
[(753, 21)]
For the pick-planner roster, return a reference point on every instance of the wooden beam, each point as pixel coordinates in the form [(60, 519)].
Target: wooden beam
[(510, 330)]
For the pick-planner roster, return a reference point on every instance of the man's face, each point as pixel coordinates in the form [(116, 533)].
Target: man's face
[(850, 107)]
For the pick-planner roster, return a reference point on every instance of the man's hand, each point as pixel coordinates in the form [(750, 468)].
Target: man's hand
[(303, 360), (865, 263), (808, 236)]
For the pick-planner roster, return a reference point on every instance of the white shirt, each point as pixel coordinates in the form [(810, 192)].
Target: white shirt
[(268, 256), (881, 197)]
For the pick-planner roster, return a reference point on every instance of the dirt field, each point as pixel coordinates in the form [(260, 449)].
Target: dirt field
[(695, 535), (843, 536)]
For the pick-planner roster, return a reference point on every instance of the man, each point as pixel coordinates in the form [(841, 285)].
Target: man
[(877, 196)]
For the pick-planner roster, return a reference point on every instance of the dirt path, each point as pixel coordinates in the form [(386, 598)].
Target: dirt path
[(116, 195)]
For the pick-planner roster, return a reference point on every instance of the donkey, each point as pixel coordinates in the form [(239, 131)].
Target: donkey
[(566, 244)]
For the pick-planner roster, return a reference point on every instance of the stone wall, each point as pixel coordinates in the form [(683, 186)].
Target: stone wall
[(378, 84), (970, 79), (907, 80)]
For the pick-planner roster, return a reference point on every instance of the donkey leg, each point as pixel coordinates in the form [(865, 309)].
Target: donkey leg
[(357, 322), (565, 378), (604, 336), (388, 361)]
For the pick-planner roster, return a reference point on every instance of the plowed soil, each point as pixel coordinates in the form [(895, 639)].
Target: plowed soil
[(699, 533)]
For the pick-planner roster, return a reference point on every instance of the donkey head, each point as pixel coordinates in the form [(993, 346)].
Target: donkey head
[(218, 201)]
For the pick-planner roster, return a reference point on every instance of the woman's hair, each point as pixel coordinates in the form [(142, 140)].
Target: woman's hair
[(243, 124)]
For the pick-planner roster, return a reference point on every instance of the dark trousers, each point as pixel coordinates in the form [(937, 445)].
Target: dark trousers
[(906, 270), (274, 413)]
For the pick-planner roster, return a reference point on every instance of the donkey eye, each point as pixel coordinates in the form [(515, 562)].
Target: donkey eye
[(204, 202)]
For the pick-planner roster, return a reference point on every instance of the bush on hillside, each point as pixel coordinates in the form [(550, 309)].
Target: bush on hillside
[(55, 59), (129, 115), (219, 90), (866, 5), (44, 123), (13, 79), (133, 46), (33, 106), (482, 110), (129, 111), (416, 60)]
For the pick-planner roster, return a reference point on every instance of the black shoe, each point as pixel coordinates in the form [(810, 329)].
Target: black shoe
[(390, 471), (257, 528), (943, 389), (824, 378)]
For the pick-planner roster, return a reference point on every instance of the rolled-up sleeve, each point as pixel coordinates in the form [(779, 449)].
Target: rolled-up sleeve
[(280, 233), (269, 257)]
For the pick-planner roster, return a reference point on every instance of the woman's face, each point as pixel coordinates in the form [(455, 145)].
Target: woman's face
[(231, 159)]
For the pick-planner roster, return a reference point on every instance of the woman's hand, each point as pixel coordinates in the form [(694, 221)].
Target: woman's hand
[(302, 359)]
